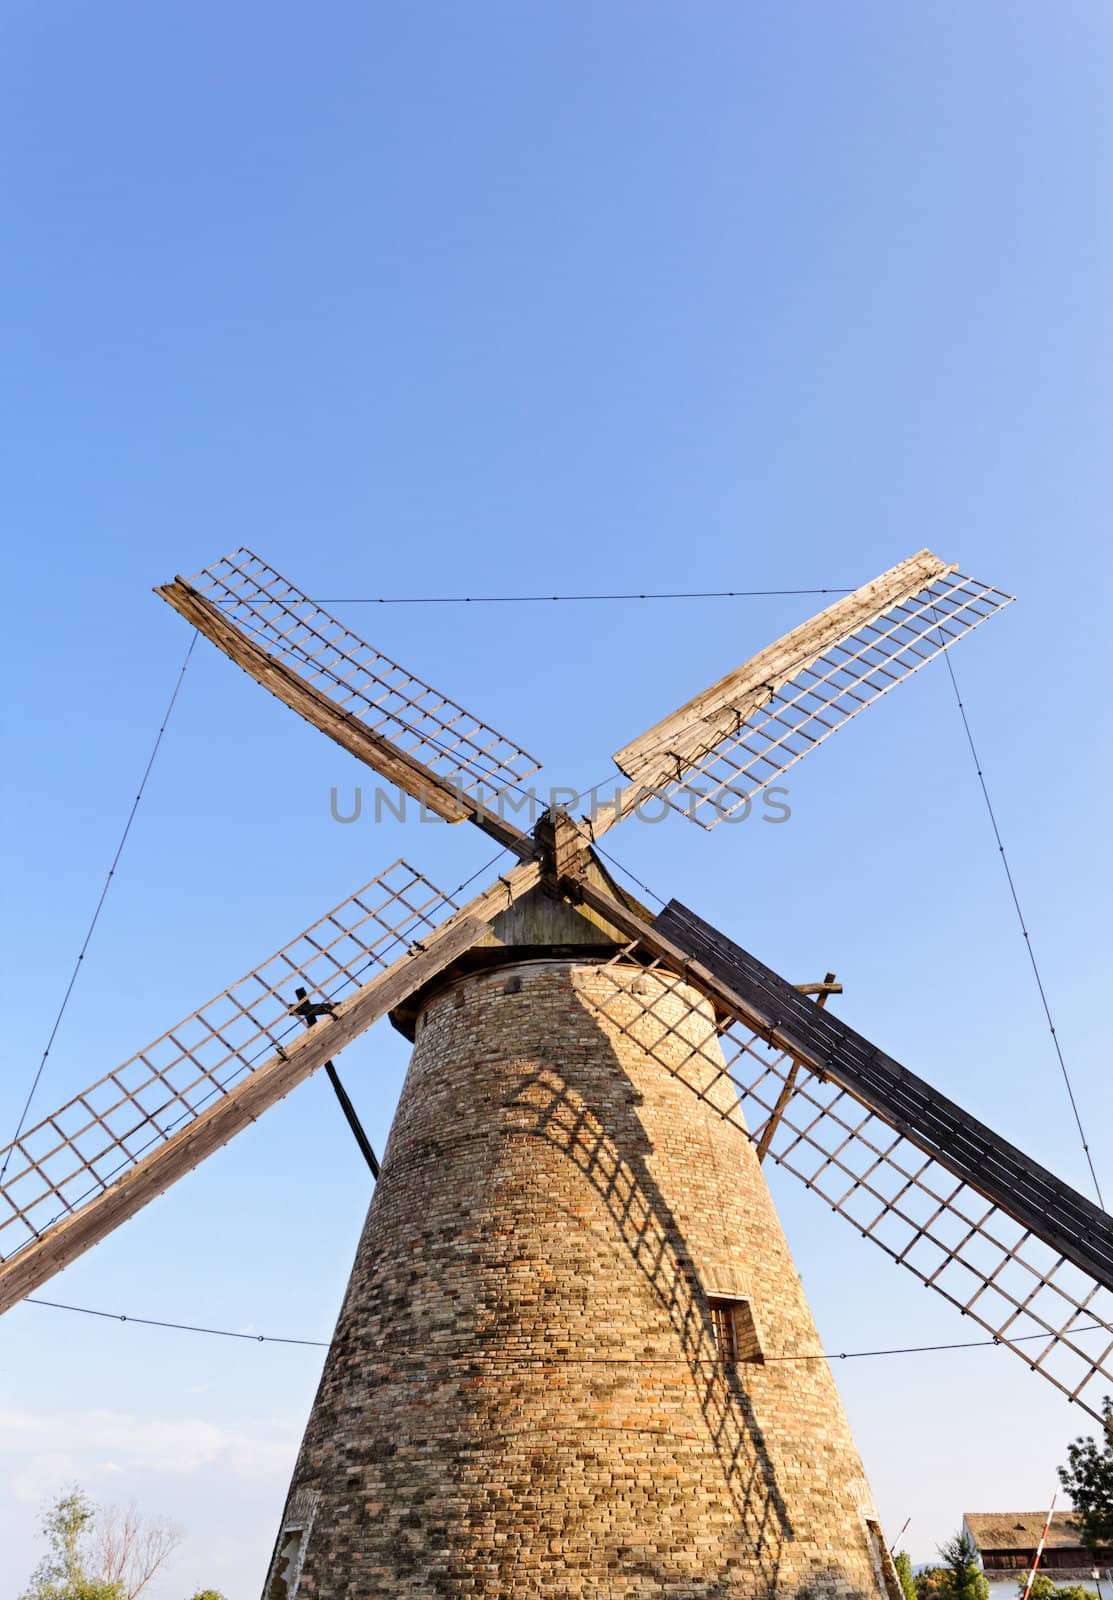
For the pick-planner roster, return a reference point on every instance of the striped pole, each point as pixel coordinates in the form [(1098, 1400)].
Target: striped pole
[(1039, 1550), (899, 1537)]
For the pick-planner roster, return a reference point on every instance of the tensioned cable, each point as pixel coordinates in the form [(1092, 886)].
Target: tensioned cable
[(627, 873), (536, 599), (100, 905), (1023, 927), (322, 1344), (181, 1327)]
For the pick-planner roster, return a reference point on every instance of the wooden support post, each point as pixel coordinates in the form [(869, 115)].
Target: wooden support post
[(821, 990)]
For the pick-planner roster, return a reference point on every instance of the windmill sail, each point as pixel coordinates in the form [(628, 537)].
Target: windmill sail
[(86, 1168), (405, 729), (825, 1044), (1010, 1245), (713, 755)]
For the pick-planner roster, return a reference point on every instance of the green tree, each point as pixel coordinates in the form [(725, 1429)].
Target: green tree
[(903, 1564), (98, 1554), (62, 1574), (1044, 1588), (929, 1583), (208, 1594), (963, 1578), (1088, 1479)]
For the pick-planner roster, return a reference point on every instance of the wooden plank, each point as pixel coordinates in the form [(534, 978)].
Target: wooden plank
[(36, 1262), (346, 730), (652, 757)]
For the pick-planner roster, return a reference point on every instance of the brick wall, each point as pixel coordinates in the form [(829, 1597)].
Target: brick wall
[(524, 1396)]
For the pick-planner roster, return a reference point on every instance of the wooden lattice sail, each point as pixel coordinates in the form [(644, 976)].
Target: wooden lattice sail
[(733, 739), (76, 1175), (412, 734)]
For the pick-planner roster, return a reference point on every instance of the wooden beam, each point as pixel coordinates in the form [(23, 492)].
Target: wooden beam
[(346, 730), (247, 1100), (564, 848), (608, 816), (820, 991), (658, 755)]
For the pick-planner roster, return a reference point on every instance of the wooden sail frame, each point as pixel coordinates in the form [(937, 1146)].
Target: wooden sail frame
[(740, 734), (123, 1141), (429, 746)]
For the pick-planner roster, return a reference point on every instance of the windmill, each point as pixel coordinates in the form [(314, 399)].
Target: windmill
[(573, 1355)]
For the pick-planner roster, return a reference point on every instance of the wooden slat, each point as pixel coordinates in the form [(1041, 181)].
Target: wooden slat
[(346, 730), (650, 759)]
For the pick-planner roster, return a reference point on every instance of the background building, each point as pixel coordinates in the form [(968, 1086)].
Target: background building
[(1007, 1542)]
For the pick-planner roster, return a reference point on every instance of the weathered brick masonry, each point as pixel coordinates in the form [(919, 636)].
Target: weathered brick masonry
[(524, 1396)]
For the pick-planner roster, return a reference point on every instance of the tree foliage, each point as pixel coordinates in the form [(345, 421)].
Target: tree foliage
[(1088, 1479), (1045, 1588), (97, 1555), (62, 1574), (929, 1583), (903, 1564), (962, 1577)]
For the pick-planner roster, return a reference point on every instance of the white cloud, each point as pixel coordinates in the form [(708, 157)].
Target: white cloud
[(224, 1486), (38, 1476), (42, 1450)]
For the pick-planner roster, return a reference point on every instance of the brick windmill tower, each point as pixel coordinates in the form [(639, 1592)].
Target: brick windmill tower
[(574, 1358), (555, 1370)]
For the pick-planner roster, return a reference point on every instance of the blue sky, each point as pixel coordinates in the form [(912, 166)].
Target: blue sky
[(533, 298)]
